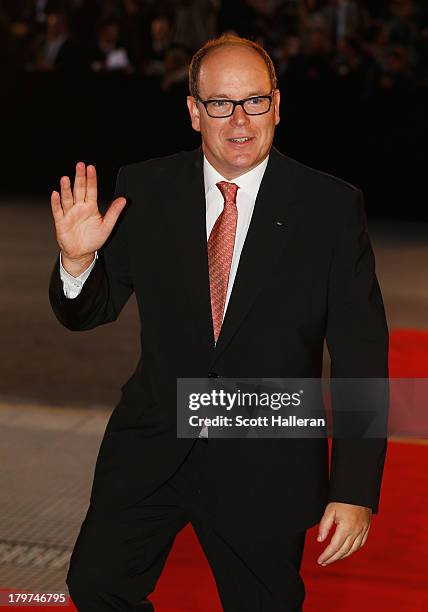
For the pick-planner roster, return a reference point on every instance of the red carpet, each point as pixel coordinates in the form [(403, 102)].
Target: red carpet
[(408, 353), (409, 394), (389, 574)]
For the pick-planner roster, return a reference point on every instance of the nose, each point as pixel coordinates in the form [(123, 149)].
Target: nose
[(239, 116)]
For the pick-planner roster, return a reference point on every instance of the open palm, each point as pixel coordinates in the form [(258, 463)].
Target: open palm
[(80, 227)]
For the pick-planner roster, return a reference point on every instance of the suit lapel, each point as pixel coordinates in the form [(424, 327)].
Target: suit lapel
[(271, 231)]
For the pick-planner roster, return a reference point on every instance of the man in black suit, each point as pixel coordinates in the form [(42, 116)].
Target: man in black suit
[(287, 264)]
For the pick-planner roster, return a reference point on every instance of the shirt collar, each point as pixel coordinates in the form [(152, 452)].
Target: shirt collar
[(248, 182)]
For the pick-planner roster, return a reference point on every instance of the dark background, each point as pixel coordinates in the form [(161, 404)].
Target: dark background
[(353, 79)]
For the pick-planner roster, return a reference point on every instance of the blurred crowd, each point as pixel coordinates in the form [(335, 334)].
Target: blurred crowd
[(369, 42)]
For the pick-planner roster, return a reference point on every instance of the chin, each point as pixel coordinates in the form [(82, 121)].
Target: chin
[(246, 164), (242, 160)]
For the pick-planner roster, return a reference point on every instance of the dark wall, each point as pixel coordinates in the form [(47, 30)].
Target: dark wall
[(376, 141)]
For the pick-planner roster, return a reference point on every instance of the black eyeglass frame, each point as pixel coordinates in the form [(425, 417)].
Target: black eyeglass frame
[(237, 103)]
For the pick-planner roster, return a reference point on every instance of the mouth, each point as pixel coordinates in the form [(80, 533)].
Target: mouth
[(240, 140)]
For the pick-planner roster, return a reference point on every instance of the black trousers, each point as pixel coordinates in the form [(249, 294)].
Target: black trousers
[(118, 559)]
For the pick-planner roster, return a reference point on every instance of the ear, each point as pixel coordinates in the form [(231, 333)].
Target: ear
[(194, 113), (276, 101)]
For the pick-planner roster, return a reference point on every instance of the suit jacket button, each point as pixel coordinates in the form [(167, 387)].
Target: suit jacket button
[(212, 375)]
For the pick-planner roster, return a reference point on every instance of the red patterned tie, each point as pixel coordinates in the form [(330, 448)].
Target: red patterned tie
[(220, 252)]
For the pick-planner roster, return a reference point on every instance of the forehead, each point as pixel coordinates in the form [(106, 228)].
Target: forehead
[(231, 70)]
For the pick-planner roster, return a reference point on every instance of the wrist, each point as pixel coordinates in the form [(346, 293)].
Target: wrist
[(76, 265)]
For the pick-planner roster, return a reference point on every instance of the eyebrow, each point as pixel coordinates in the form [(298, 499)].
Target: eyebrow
[(258, 92)]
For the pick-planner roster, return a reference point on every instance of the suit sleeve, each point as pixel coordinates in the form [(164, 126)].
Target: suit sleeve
[(357, 339), (109, 285)]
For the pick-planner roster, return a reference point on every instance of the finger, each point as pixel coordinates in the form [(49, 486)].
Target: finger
[(341, 552), (336, 542), (79, 190), (366, 535), (66, 195), (57, 211), (113, 213), (325, 525), (331, 550), (91, 185), (358, 543)]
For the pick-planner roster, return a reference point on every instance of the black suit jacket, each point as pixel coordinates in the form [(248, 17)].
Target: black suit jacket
[(308, 278)]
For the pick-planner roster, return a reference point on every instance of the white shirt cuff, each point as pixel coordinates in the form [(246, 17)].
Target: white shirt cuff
[(72, 285)]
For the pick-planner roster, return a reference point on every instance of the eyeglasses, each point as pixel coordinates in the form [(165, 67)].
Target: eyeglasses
[(256, 105)]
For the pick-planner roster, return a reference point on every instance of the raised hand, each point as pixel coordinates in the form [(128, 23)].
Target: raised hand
[(80, 228)]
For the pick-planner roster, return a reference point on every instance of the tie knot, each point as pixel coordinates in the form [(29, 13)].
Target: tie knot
[(228, 191)]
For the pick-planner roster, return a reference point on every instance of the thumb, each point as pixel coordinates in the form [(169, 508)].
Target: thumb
[(325, 525), (113, 213)]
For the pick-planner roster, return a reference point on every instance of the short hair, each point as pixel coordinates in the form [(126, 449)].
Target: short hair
[(226, 40)]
